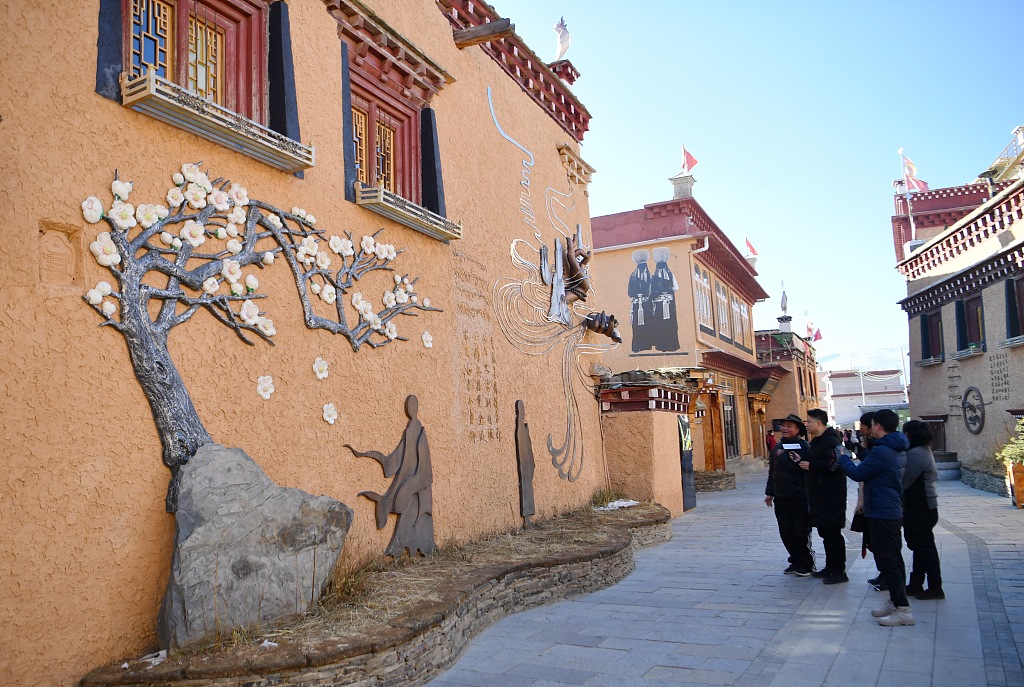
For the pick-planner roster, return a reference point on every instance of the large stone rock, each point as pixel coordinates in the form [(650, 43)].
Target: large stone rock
[(246, 550)]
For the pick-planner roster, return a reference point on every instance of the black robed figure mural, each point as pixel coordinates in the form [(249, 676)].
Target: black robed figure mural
[(652, 312)]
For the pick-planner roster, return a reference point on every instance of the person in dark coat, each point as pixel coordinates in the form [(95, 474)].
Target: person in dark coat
[(786, 491), (826, 492), (640, 310), (881, 471), (921, 512)]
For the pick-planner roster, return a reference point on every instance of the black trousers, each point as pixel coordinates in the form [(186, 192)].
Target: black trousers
[(795, 530), (835, 549), (886, 544), (918, 528)]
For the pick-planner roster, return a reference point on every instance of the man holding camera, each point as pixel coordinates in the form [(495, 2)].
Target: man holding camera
[(786, 491), (826, 492)]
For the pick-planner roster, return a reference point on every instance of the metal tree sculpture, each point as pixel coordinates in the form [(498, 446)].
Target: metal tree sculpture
[(139, 250)]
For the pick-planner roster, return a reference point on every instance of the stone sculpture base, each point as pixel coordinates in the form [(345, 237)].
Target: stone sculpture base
[(246, 550)]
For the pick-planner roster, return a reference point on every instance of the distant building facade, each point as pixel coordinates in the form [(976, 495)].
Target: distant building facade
[(852, 389), (684, 295), (793, 360)]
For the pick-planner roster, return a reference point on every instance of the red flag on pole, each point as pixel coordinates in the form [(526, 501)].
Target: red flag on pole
[(689, 161), (750, 248), (910, 176), (817, 335)]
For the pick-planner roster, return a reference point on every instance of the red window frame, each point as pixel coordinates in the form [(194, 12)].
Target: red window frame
[(935, 348), (245, 26), (383, 106)]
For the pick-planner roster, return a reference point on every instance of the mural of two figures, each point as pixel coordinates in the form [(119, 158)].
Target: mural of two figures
[(652, 311)]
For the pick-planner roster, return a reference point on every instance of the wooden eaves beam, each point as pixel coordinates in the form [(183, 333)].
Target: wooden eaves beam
[(485, 33)]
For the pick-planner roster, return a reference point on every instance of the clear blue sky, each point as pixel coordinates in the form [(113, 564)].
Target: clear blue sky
[(794, 111)]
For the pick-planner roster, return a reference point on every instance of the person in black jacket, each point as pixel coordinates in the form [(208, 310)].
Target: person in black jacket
[(787, 492), (826, 492)]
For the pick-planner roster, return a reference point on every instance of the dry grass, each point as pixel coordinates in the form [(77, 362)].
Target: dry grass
[(371, 593)]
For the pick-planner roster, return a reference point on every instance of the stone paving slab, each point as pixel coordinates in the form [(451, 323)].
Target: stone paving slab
[(712, 607)]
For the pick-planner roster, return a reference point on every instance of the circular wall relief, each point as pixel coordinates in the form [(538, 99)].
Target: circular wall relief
[(974, 410)]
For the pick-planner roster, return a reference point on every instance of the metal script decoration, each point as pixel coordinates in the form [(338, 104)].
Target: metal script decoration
[(524, 460), (410, 494), (171, 262), (546, 309), (974, 410)]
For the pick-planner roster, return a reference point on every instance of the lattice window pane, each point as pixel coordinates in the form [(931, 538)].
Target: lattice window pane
[(206, 59), (386, 157), (359, 119), (152, 37)]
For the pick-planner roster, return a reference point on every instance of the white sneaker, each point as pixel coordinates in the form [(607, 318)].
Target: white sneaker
[(888, 608), (901, 616)]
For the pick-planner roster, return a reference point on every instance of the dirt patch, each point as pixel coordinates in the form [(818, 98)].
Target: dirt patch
[(368, 606)]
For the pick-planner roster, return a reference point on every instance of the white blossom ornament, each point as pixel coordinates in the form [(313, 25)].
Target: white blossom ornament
[(323, 260), (237, 216), (310, 218), (175, 243), (398, 279), (265, 387), (178, 179), (105, 250), (367, 244), (109, 308), (428, 340), (328, 294), (390, 331), (250, 313), (123, 215), (401, 297), (320, 368), (121, 189), (194, 233), (166, 238), (92, 209), (426, 302), (220, 201), (389, 299), (274, 221), (175, 197), (251, 283), (196, 196), (238, 195), (221, 233), (211, 285), (315, 288), (237, 289), (266, 325), (330, 413), (189, 172), (94, 296), (231, 271), (268, 258), (234, 246), (104, 288), (148, 215)]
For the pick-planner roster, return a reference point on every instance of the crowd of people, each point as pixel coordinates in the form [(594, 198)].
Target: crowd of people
[(896, 498)]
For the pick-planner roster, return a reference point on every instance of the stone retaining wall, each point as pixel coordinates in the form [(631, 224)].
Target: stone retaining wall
[(717, 480), (422, 643), (984, 481)]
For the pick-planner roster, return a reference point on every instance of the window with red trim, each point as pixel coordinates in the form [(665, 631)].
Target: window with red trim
[(215, 48), (386, 138)]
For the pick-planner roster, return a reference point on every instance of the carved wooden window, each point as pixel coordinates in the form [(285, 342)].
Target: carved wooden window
[(215, 48), (975, 320), (1014, 307), (386, 136), (931, 335), (722, 306), (748, 333), (702, 287), (360, 142)]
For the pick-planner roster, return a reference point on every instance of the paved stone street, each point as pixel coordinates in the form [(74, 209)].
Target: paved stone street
[(712, 607)]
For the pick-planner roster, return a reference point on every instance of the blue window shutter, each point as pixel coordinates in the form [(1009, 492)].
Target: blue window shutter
[(109, 53), (961, 326), (284, 102), (926, 345), (430, 155), (348, 145)]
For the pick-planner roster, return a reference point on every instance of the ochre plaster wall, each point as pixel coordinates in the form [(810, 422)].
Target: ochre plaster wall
[(643, 456), (85, 553)]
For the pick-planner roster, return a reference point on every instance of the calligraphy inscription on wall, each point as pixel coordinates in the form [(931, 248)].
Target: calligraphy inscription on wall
[(477, 396), (999, 372), (956, 395)]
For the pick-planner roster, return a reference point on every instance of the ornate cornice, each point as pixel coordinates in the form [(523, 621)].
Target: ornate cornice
[(382, 53), (970, 280), (522, 64)]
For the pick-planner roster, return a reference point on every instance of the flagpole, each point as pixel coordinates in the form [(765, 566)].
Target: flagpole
[(906, 190)]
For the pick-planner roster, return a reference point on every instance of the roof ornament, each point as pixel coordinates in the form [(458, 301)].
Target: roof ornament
[(564, 39)]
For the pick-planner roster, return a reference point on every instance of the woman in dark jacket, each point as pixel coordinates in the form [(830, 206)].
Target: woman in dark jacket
[(921, 512)]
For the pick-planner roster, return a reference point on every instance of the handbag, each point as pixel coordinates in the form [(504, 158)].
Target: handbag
[(858, 524)]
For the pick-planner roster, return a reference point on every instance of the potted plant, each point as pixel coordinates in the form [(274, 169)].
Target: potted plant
[(1012, 456)]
